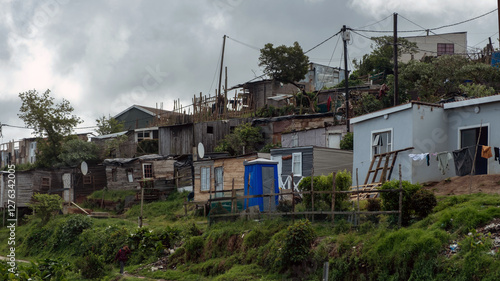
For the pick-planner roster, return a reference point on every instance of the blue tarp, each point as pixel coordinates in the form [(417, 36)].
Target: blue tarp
[(258, 182)]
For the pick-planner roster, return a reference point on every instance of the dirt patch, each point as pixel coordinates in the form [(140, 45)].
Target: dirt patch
[(465, 185)]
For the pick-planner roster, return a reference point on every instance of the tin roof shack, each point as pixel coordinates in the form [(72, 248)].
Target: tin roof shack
[(328, 136), (217, 174), (138, 116), (301, 160), (272, 128), (69, 183), (128, 173)]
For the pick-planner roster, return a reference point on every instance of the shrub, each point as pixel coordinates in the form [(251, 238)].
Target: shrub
[(194, 248), (325, 183), (347, 142), (297, 243), (91, 266), (71, 228), (44, 205), (424, 201)]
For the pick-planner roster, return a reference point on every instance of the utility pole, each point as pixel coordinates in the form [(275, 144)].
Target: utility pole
[(396, 86), (346, 37), (222, 66), (498, 6)]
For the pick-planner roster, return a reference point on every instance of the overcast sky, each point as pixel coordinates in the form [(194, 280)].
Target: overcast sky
[(106, 55)]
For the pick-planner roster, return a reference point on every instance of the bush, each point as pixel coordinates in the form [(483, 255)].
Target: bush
[(347, 142), (194, 248), (91, 266), (44, 205), (297, 243), (424, 201), (325, 183), (71, 228)]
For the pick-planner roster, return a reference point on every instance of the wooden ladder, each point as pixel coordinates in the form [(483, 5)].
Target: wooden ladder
[(384, 158)]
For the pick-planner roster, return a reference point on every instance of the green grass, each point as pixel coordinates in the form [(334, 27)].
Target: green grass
[(112, 195)]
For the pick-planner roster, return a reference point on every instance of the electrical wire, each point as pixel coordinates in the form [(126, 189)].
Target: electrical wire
[(324, 41), (375, 22), (244, 44)]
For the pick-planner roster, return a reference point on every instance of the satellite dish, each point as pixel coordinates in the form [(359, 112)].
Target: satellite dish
[(201, 150), (84, 167)]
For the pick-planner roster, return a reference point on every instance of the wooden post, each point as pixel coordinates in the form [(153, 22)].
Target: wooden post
[(312, 192), (185, 207), (400, 198), (142, 203), (233, 200), (293, 200), (333, 199), (357, 188)]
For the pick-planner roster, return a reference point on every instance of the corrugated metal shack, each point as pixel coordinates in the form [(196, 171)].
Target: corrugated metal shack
[(128, 173)]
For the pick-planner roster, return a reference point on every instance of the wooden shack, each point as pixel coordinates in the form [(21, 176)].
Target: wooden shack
[(128, 173), (213, 175)]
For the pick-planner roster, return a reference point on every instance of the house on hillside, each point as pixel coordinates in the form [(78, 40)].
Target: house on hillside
[(437, 45), (328, 136), (183, 138), (69, 183), (428, 128), (321, 76), (131, 173), (215, 174), (139, 116), (302, 161)]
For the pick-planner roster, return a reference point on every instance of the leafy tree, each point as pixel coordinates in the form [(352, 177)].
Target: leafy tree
[(109, 125), (244, 138), (284, 64), (51, 122), (381, 58), (74, 151), (44, 205)]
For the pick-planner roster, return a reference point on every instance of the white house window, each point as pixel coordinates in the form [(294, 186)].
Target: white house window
[(147, 170), (297, 164), (205, 179), (334, 140), (381, 142)]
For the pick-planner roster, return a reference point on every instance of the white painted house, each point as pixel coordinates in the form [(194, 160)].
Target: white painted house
[(436, 45), (428, 128)]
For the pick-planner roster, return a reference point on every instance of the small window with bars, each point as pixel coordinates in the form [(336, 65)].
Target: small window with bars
[(147, 170), (445, 49)]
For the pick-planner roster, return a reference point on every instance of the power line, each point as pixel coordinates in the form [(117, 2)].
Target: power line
[(430, 29), (244, 44), (375, 22), (324, 41)]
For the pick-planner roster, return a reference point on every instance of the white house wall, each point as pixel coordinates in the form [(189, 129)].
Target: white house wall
[(466, 117), (430, 135), (400, 123)]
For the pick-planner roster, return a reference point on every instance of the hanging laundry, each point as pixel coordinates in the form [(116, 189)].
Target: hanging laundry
[(418, 157), (443, 158), (463, 160), (497, 154), (427, 157), (486, 152)]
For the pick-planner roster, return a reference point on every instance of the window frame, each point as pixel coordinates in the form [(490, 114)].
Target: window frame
[(205, 183), (146, 173), (375, 137), (444, 49), (295, 156)]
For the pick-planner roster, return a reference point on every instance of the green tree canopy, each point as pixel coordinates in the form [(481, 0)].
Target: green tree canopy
[(51, 122), (245, 138), (284, 64), (108, 125), (381, 59), (74, 151), (44, 205)]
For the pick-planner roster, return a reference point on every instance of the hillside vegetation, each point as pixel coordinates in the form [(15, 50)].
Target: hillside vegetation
[(174, 247)]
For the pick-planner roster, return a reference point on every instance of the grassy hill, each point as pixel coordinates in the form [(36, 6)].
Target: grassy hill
[(174, 247)]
